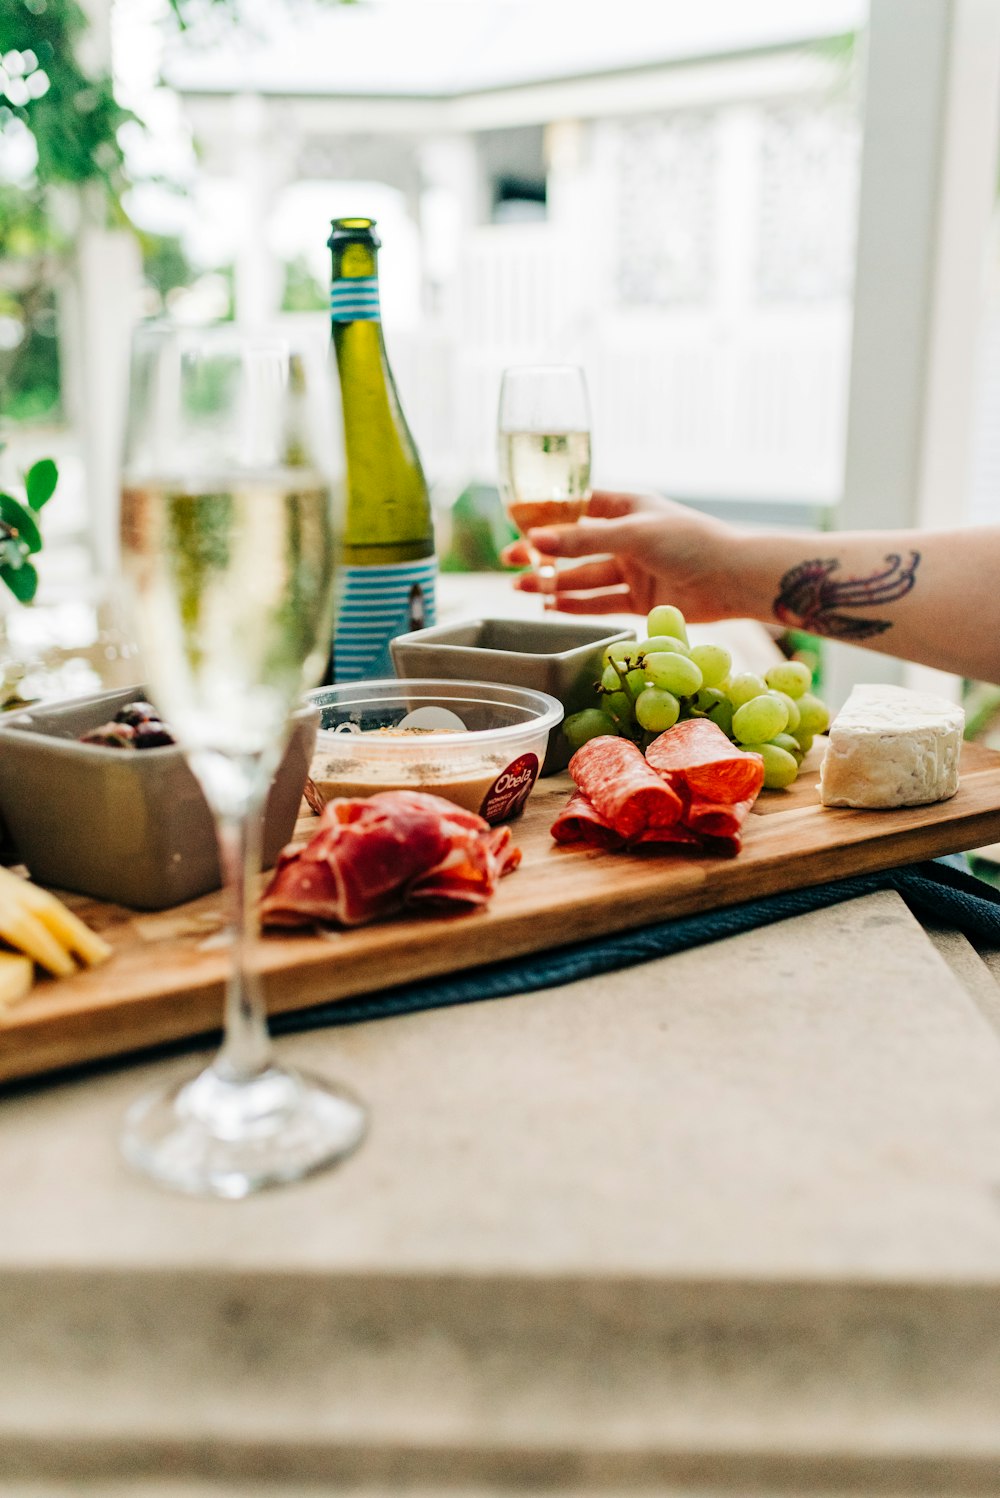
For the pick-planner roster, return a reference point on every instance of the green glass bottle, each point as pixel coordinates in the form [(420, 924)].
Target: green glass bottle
[(388, 571)]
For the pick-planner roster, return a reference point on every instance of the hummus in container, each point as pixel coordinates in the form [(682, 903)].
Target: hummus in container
[(478, 744)]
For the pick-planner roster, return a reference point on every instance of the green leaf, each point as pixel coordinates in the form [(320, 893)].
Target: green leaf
[(23, 583), (40, 482), (22, 520)]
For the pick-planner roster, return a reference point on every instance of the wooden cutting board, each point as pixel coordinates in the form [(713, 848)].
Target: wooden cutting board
[(165, 979)]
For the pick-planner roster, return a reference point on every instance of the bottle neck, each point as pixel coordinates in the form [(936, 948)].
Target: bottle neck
[(354, 285), (355, 300)]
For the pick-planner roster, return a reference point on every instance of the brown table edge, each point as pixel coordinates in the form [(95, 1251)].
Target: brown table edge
[(163, 1022)]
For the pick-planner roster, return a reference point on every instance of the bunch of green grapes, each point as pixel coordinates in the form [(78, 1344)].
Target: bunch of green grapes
[(646, 688)]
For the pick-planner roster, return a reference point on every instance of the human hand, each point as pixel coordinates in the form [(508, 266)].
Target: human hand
[(638, 550)]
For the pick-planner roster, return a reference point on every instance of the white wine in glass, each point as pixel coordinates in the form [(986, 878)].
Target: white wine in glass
[(543, 451), (227, 549)]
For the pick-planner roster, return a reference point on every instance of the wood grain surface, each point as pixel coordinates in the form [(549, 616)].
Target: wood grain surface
[(165, 979)]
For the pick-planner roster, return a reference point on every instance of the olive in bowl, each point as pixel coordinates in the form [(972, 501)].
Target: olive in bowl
[(137, 725)]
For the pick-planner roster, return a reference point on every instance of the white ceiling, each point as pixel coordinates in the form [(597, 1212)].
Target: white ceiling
[(432, 48)]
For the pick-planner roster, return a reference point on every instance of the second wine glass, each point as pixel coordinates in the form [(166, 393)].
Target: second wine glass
[(543, 451), (227, 539)]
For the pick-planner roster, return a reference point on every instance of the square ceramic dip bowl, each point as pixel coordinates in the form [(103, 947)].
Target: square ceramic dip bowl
[(562, 657), (126, 825)]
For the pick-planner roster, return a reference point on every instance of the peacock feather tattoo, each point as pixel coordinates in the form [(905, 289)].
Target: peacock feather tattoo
[(809, 598)]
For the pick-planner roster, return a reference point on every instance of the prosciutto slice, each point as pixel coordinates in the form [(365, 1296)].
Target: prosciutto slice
[(469, 871), (373, 856), (696, 755), (622, 788)]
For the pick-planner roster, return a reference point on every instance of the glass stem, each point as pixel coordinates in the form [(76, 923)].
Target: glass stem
[(545, 570), (246, 1046)]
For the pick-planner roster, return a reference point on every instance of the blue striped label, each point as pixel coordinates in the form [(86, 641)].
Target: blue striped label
[(355, 301), (377, 604)]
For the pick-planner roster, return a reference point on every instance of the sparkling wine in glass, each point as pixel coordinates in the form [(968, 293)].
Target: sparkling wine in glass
[(227, 549), (543, 451)]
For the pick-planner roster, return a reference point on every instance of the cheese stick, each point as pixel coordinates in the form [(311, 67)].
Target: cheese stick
[(23, 930), (16, 975), (66, 931)]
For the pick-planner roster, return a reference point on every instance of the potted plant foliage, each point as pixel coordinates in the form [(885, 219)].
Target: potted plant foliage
[(20, 541)]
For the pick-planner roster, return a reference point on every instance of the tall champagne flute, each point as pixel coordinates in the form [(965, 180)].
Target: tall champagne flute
[(543, 451), (227, 549)]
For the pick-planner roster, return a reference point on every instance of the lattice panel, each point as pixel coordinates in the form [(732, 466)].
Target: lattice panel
[(666, 197), (807, 204)]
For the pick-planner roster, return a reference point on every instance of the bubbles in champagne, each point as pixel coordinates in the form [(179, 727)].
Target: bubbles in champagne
[(545, 477), (232, 590)]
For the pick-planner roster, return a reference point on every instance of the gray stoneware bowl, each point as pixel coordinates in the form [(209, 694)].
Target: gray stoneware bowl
[(558, 656), (129, 826)]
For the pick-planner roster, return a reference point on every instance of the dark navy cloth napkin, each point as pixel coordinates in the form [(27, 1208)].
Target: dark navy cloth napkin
[(941, 891)]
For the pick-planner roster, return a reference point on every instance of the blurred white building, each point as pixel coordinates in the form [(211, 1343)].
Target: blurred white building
[(665, 194), (786, 296)]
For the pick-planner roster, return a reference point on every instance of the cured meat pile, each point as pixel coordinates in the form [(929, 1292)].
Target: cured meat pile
[(377, 855), (693, 786)]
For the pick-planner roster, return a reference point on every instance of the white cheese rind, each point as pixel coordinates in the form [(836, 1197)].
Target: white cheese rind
[(892, 747)]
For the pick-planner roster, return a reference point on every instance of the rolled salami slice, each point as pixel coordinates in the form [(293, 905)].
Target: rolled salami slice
[(725, 847), (579, 822), (716, 819), (677, 835), (622, 788), (697, 755)]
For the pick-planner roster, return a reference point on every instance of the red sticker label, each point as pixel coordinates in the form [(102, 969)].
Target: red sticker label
[(512, 787)]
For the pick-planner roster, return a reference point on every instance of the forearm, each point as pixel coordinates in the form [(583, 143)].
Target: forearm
[(931, 597)]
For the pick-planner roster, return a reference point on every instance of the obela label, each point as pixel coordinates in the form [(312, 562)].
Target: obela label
[(511, 789)]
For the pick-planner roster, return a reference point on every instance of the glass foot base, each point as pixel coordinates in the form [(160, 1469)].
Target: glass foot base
[(211, 1135)]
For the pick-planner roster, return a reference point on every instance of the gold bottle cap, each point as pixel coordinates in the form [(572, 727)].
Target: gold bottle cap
[(344, 230)]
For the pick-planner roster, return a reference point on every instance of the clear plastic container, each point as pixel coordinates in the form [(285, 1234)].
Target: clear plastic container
[(479, 744)]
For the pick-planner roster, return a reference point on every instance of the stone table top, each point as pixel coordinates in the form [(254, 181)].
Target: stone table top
[(740, 1200), (819, 1099)]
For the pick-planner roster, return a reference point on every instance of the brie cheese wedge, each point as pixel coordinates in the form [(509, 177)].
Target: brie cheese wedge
[(892, 747)]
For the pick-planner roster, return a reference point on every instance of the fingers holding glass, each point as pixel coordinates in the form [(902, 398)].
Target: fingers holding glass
[(595, 573)]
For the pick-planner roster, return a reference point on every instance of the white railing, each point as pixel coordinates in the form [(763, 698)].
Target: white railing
[(744, 406), (750, 409)]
